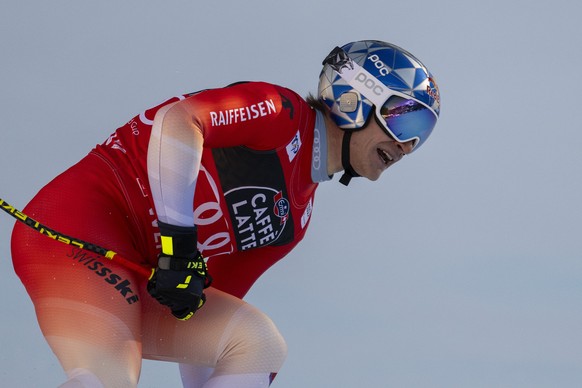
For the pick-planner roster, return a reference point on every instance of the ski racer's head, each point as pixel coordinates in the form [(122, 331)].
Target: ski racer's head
[(370, 78)]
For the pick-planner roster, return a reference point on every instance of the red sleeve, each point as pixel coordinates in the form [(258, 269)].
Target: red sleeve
[(245, 114)]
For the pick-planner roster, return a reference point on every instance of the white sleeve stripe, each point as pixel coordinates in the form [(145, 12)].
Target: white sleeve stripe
[(173, 163)]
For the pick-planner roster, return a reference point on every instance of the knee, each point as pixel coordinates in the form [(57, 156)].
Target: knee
[(268, 341), (257, 344)]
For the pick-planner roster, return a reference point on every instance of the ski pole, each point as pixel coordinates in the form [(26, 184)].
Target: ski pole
[(57, 236)]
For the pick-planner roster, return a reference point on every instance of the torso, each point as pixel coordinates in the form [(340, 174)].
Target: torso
[(254, 193)]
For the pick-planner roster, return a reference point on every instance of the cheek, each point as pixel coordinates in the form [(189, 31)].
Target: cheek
[(368, 164)]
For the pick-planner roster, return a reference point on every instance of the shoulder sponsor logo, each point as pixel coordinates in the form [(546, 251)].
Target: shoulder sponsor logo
[(293, 147), (244, 113), (259, 215)]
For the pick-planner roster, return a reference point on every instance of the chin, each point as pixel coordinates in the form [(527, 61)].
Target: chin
[(374, 177)]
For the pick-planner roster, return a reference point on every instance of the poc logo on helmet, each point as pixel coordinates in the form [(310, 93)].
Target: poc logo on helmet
[(382, 68), (370, 83)]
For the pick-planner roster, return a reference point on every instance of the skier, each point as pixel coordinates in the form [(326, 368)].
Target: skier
[(211, 189)]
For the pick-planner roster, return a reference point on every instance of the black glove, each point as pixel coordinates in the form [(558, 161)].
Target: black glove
[(181, 276)]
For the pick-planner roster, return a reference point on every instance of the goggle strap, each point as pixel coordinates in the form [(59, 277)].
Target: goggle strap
[(364, 82)]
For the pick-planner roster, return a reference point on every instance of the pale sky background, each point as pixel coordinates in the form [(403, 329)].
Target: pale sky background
[(460, 267)]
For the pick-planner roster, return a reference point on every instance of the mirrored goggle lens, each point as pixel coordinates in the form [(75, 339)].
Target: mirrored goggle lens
[(407, 119)]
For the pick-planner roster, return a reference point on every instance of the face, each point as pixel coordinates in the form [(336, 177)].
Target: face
[(372, 151)]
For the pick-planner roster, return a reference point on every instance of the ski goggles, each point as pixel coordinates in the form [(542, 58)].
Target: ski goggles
[(402, 118), (405, 119)]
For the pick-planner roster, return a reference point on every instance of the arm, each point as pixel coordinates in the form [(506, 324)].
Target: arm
[(173, 161)]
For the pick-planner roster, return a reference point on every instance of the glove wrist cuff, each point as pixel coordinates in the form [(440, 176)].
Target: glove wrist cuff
[(178, 241), (195, 264)]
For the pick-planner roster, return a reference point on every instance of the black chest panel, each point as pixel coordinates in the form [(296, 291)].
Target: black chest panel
[(255, 190)]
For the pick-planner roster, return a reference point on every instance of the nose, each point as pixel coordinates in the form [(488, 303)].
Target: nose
[(406, 147)]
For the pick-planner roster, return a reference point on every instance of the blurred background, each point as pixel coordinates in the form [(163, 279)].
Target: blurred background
[(460, 267)]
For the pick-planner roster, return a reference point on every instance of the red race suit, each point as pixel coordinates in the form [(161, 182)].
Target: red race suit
[(254, 191)]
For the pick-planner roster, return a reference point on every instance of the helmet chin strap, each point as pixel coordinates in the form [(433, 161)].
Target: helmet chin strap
[(349, 171)]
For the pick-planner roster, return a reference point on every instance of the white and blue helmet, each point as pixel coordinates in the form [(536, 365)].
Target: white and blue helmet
[(371, 76)]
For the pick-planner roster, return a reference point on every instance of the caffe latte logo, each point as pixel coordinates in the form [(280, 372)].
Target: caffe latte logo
[(259, 215)]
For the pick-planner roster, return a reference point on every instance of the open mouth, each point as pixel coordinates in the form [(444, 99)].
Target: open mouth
[(385, 156)]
